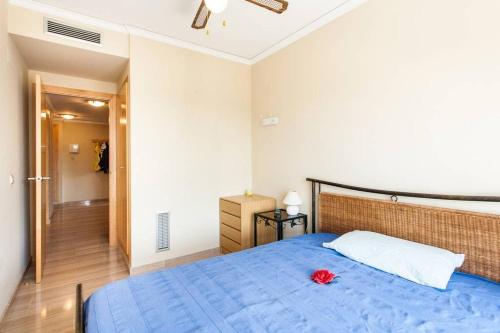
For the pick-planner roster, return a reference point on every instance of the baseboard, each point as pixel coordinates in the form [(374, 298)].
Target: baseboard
[(9, 303), (124, 256), (176, 261), (89, 202)]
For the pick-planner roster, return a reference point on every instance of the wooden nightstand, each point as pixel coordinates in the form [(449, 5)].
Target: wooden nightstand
[(236, 221)]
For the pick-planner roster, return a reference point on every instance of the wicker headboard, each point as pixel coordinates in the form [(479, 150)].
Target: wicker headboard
[(474, 234)]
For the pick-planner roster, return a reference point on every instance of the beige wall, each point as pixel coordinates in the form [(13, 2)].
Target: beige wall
[(78, 178), (14, 218), (400, 95), (190, 144), (397, 94)]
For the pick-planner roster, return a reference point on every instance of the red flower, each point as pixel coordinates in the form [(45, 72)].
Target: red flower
[(323, 276)]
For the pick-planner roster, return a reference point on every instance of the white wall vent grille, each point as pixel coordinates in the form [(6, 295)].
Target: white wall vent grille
[(163, 232), (65, 30)]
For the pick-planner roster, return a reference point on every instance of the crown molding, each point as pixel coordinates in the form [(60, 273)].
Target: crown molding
[(340, 10), (103, 24), (186, 45), (329, 17)]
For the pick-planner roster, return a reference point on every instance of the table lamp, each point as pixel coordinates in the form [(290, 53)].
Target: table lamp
[(292, 202)]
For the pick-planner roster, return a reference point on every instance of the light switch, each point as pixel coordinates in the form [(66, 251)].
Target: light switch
[(74, 148), (270, 121)]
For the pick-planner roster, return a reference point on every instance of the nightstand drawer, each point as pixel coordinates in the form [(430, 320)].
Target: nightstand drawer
[(230, 207), (230, 220), (230, 233), (236, 220), (230, 245)]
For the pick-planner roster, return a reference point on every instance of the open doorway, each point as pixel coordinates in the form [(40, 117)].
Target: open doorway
[(76, 237), (85, 167), (79, 151)]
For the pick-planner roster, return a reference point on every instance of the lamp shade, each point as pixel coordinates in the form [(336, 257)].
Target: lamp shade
[(292, 199), (216, 6)]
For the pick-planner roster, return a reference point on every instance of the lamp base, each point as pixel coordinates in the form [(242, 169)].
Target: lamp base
[(292, 210)]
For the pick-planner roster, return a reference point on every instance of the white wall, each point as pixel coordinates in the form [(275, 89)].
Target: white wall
[(400, 95), (14, 219), (190, 144)]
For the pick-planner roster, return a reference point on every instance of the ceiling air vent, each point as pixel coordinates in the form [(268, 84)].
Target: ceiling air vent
[(65, 30)]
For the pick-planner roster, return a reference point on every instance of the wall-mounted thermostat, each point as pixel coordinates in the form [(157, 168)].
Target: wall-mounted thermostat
[(74, 148)]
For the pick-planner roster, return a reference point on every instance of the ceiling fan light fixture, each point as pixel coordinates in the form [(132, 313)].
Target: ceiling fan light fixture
[(208, 7), (216, 6)]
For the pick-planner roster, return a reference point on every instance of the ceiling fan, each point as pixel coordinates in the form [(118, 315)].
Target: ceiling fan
[(217, 6)]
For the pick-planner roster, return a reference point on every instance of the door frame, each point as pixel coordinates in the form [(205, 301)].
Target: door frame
[(35, 180), (124, 82), (111, 99)]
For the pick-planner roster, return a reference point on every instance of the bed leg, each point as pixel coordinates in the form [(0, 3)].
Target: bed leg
[(79, 328)]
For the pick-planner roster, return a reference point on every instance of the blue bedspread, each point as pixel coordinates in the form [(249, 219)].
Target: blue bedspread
[(268, 289)]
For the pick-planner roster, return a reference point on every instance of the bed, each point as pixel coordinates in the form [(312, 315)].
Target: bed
[(268, 288)]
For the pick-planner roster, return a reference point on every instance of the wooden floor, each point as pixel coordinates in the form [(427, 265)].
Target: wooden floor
[(77, 252)]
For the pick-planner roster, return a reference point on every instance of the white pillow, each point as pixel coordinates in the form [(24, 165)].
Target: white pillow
[(420, 263)]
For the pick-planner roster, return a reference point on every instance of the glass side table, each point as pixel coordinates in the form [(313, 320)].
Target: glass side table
[(278, 219)]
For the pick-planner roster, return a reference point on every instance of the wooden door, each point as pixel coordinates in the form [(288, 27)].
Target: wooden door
[(39, 167), (122, 212), (55, 173)]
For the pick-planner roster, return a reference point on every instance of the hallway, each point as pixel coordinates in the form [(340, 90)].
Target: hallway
[(77, 252)]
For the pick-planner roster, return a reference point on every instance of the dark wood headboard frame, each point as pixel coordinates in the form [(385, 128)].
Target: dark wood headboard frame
[(316, 190)]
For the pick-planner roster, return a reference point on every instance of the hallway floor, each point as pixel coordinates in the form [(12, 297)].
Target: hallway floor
[(77, 252)]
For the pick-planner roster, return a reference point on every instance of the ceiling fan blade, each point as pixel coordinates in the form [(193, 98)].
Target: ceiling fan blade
[(201, 18), (277, 6)]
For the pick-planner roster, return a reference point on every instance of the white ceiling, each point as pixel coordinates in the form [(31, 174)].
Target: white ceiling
[(252, 32), (78, 107)]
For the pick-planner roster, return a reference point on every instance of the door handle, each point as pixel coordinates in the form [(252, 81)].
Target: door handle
[(38, 178)]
